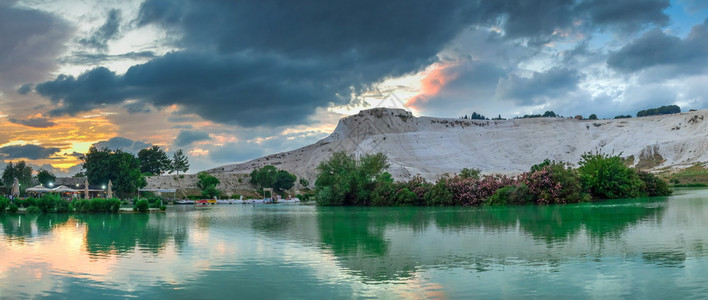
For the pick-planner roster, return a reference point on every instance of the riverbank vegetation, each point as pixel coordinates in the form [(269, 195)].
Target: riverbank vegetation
[(693, 176), (344, 180), (52, 203)]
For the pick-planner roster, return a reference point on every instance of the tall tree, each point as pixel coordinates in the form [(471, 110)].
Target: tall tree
[(122, 168), (153, 160), (21, 170), (179, 162), (45, 177)]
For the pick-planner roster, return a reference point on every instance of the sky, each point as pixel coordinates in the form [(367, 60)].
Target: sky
[(229, 81)]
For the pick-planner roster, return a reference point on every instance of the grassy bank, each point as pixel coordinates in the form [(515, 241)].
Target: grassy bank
[(694, 176)]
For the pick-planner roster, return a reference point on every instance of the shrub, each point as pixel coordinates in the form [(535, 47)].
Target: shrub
[(469, 173), (4, 202), (163, 208), (61, 206), (439, 194), (96, 205), (470, 191), (27, 202), (33, 210), (606, 176), (47, 202), (511, 195), (420, 187), (555, 182), (141, 206), (12, 208), (406, 197), (654, 186), (327, 196)]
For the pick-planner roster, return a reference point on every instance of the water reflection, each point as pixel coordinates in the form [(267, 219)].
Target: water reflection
[(280, 251), (392, 243)]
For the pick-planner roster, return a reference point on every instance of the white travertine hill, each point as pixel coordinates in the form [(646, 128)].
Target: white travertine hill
[(433, 146)]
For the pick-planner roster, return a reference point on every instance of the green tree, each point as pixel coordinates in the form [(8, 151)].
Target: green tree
[(180, 163), (207, 183), (154, 160), (304, 182), (284, 181), (45, 177), (549, 114), (664, 110), (270, 177), (592, 117), (122, 168), (21, 171), (606, 176), (342, 180)]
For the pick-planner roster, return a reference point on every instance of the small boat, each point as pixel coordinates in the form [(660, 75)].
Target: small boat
[(184, 202), (204, 202)]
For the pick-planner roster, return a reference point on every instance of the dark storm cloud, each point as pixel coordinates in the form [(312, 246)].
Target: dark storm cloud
[(656, 48), (34, 122), (28, 151), (627, 15), (74, 154), (551, 83), (25, 89), (30, 42), (270, 63), (187, 137), (123, 144), (108, 31)]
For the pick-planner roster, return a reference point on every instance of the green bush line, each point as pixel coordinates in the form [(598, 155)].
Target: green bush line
[(50, 203), (343, 180)]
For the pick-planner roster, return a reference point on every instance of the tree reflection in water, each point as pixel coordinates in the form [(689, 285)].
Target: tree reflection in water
[(391, 243)]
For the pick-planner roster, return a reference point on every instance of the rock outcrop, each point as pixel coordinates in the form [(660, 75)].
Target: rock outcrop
[(434, 146)]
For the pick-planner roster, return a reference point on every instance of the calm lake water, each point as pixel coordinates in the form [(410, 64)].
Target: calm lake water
[(642, 248)]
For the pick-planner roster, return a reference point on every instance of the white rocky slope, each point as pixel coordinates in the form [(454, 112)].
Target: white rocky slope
[(433, 146)]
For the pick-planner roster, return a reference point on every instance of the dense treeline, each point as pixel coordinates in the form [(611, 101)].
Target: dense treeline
[(664, 110), (343, 180)]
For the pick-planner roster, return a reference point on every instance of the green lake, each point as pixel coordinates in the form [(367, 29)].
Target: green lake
[(654, 248)]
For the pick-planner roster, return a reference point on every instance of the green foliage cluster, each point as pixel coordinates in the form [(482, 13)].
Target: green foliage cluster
[(664, 110), (19, 170), (342, 180), (33, 210), (270, 177), (469, 173), (45, 177), (122, 168), (4, 203), (52, 203), (623, 117), (154, 161), (96, 205), (142, 206), (547, 114), (606, 176), (592, 117), (304, 182), (207, 183), (474, 116), (180, 163), (512, 195)]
